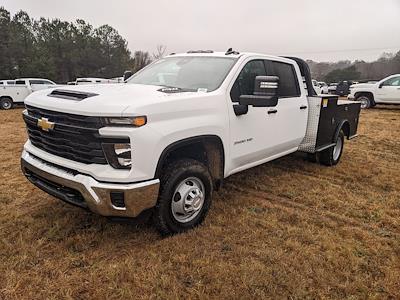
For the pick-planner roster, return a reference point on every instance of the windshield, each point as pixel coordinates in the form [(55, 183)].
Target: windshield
[(189, 73)]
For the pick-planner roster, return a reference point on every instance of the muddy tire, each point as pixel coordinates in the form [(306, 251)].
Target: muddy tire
[(6, 103), (332, 155), (312, 157), (184, 198)]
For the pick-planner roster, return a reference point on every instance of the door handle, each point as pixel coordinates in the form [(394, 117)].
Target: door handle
[(303, 107), (272, 111)]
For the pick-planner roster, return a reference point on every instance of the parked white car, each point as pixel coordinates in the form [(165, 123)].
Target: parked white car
[(385, 91), (11, 94)]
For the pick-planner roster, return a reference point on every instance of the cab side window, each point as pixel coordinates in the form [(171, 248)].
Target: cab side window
[(35, 81), (244, 84), (395, 81), (288, 83)]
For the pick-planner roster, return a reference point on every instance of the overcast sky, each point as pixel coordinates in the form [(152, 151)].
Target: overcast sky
[(323, 30)]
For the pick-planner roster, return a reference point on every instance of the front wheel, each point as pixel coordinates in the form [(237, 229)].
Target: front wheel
[(184, 198), (332, 155), (6, 103), (365, 102)]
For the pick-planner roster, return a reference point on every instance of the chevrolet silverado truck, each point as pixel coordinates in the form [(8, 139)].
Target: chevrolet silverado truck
[(163, 141), (385, 91)]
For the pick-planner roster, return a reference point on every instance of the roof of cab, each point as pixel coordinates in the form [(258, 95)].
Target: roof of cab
[(233, 55)]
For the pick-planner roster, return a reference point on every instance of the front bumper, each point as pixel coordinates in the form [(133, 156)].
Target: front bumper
[(86, 192), (350, 97)]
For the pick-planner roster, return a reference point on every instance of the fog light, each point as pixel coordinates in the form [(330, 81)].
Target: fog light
[(118, 155), (123, 152)]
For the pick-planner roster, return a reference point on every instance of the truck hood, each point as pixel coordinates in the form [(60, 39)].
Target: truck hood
[(105, 99), (363, 86)]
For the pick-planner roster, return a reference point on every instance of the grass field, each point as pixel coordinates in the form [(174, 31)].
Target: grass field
[(287, 229)]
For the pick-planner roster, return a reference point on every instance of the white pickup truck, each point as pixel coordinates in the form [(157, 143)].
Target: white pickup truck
[(16, 92), (165, 140), (385, 91)]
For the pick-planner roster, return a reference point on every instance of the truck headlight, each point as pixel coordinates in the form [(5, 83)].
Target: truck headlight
[(128, 121), (118, 155)]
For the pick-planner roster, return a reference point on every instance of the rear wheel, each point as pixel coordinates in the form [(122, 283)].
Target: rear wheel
[(366, 101), (184, 198), (6, 103), (332, 155)]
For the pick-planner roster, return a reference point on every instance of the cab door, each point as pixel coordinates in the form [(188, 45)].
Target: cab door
[(389, 90), (265, 133), (292, 106)]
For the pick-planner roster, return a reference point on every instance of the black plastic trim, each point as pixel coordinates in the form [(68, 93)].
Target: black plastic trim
[(188, 141)]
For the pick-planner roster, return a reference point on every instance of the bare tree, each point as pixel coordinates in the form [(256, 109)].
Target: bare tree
[(160, 52), (140, 60)]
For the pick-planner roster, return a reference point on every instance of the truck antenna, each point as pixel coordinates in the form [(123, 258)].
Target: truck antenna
[(231, 51)]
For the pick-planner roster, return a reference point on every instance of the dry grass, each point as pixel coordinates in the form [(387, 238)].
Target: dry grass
[(287, 229)]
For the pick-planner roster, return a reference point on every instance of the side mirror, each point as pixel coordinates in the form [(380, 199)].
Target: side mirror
[(127, 74), (381, 85), (265, 92)]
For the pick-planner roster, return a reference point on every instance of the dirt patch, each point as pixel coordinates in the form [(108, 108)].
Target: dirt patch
[(289, 228)]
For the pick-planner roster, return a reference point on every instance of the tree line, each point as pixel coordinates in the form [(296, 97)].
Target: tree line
[(62, 51), (387, 64)]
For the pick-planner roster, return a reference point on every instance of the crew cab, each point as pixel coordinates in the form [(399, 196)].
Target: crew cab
[(385, 91), (15, 91), (166, 139)]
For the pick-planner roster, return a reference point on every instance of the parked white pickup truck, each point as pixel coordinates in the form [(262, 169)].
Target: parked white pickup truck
[(165, 140), (316, 87), (15, 93), (386, 91)]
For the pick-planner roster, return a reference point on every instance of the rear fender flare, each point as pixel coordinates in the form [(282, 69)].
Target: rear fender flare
[(345, 125)]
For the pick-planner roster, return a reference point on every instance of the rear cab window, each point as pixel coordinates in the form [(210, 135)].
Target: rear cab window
[(288, 81), (37, 81)]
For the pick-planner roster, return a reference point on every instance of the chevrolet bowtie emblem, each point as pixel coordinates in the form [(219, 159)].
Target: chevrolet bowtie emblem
[(45, 124)]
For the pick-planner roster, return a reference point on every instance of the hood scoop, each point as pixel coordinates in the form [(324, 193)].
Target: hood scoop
[(71, 95)]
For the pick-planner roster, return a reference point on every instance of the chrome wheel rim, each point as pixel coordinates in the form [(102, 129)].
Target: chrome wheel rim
[(6, 105), (338, 149), (188, 199), (364, 103)]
